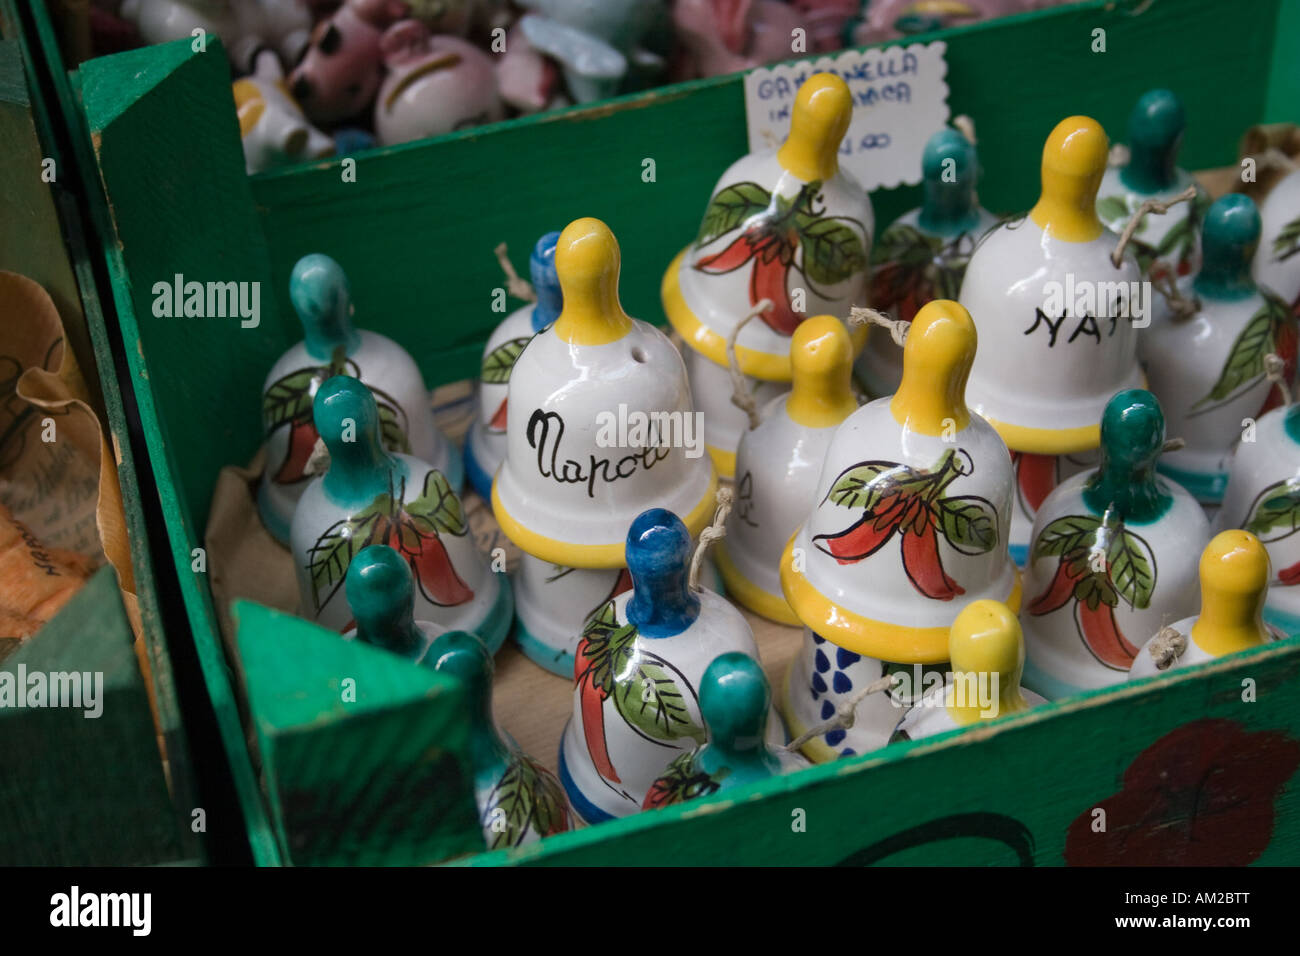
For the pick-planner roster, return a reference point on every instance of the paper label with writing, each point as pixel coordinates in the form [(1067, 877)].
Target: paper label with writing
[(900, 99)]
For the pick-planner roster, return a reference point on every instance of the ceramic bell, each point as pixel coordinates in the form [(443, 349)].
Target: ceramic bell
[(1263, 497), (724, 421), (596, 42), (1057, 319), (272, 128), (640, 661), (519, 800), (923, 255), (909, 523), (911, 509), (1113, 558), (787, 226), (1277, 261), (485, 446), (778, 465), (333, 346), (371, 496), (1208, 368), (1234, 573), (1035, 478), (735, 703), (1168, 244), (986, 651), (381, 595)]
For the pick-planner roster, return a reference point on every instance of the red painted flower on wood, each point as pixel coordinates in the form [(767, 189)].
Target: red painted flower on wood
[(1202, 795)]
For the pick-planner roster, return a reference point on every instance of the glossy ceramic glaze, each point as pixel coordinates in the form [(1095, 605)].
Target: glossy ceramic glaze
[(272, 127), (1234, 573), (334, 346), (735, 703), (485, 445), (913, 508), (245, 26), (371, 496), (434, 85), (584, 454), (1263, 497), (779, 463), (596, 42), (1164, 244), (1208, 369), (639, 666), (1277, 261), (986, 652), (1055, 344), (724, 421), (341, 70), (823, 677), (519, 800), (923, 255), (786, 225), (1035, 477), (553, 604), (1113, 558), (380, 591)]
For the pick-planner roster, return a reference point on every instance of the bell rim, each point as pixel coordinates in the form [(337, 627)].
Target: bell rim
[(752, 597), (867, 636)]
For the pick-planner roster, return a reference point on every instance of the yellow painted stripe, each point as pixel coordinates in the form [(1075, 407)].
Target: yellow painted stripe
[(724, 462), (774, 607)]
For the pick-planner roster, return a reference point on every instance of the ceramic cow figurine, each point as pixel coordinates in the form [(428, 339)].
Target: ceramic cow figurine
[(341, 71)]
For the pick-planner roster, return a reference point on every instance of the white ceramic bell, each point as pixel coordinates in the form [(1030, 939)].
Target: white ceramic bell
[(923, 255), (1207, 369), (1234, 573), (372, 496), (779, 463), (598, 421), (986, 651), (333, 346), (1168, 244), (485, 445), (785, 225), (724, 421), (912, 509), (1035, 477), (552, 602), (736, 703), (1277, 261), (1113, 558), (1056, 317), (639, 666), (519, 800), (1263, 497)]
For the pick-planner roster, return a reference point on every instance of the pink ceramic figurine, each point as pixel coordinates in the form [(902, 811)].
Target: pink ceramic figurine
[(726, 36), (343, 66), (435, 84)]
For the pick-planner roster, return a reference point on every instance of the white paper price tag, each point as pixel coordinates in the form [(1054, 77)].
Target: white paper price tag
[(900, 99)]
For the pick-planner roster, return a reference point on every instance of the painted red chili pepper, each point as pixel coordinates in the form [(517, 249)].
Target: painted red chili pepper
[(302, 441), (772, 258), (738, 252), (923, 566), (1035, 476), (1284, 346), (498, 422), (864, 537), (1102, 635), (659, 794), (1059, 591), (433, 570), (1291, 575), (593, 699)]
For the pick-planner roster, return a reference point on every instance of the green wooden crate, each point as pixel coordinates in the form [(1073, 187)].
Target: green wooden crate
[(78, 790), (415, 231)]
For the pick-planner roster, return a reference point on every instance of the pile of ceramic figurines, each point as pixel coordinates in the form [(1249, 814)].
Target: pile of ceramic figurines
[(317, 77), (890, 531)]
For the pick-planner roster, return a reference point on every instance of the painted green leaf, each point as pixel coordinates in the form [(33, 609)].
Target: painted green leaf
[(832, 250), (529, 799), (328, 559), (438, 506), (498, 364), (1275, 512), (905, 245), (862, 486), (969, 523), (681, 781), (1287, 242), (607, 647), (1132, 568), (288, 399), (1245, 364), (1066, 534), (392, 425), (650, 695), (730, 208), (1113, 210)]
